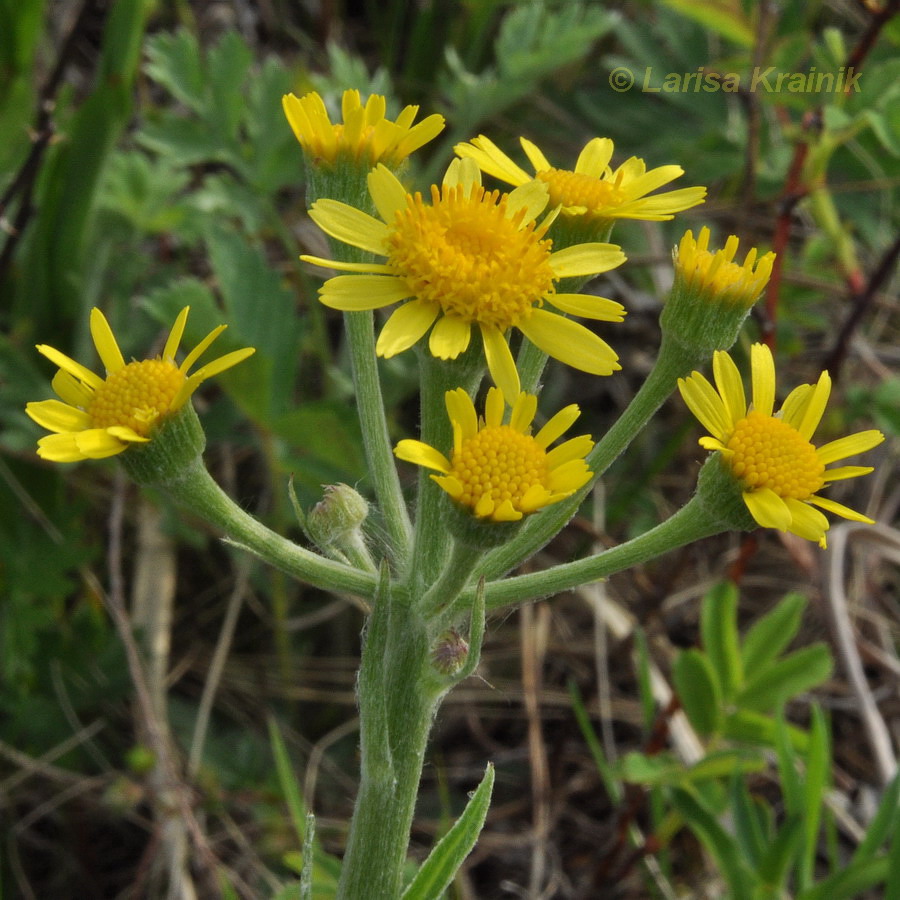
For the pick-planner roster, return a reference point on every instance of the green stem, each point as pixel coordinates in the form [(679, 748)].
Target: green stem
[(717, 506), (195, 489), (397, 699), (454, 577), (372, 418), (674, 361)]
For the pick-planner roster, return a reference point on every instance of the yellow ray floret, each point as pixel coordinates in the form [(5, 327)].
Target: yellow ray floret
[(771, 455), (500, 471), (99, 417), (716, 276), (465, 259), (365, 135), (593, 189)]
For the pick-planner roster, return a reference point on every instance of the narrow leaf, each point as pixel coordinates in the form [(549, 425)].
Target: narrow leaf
[(787, 678), (883, 824), (771, 634), (719, 634), (818, 767), (448, 855), (289, 787), (699, 691)]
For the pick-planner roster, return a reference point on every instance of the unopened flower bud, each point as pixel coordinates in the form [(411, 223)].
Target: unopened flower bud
[(450, 652)]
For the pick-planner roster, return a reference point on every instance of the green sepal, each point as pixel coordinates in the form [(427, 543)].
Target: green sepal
[(173, 447), (479, 534)]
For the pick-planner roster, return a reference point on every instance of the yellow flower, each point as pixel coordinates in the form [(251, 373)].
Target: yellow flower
[(593, 189), (716, 276), (365, 135), (468, 258), (779, 469), (501, 472), (102, 417)]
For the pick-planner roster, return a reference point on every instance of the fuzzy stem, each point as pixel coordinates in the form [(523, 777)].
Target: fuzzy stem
[(370, 408)]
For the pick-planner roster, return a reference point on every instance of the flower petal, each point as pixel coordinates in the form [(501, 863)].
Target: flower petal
[(200, 349), (794, 404), (589, 306), (850, 445), (353, 293), (59, 448), (175, 335), (350, 225), (405, 326), (59, 417), (67, 364), (523, 412), (768, 509), (341, 266), (730, 387), (535, 156), (532, 197), (594, 158), (574, 448), (492, 160), (586, 259), (806, 522), (557, 425), (98, 443), (500, 361), (570, 342), (569, 477), (704, 402), (762, 368), (841, 473), (461, 412), (815, 406), (388, 194), (422, 454), (840, 510), (71, 390), (450, 483), (449, 337), (494, 408), (105, 342)]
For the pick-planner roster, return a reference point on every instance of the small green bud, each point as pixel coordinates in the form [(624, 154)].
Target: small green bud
[(334, 519)]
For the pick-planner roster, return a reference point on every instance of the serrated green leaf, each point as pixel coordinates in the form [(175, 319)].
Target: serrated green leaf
[(771, 634), (719, 637), (698, 690), (174, 61), (228, 64), (442, 864), (786, 678), (724, 17)]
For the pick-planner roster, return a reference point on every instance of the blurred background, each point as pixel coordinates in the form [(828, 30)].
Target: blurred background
[(145, 165)]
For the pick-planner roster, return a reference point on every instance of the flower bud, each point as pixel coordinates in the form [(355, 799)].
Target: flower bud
[(450, 652), (334, 520)]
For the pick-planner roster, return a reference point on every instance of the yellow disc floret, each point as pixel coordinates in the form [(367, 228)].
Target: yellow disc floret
[(769, 453), (136, 396), (500, 463), (468, 254), (575, 189)]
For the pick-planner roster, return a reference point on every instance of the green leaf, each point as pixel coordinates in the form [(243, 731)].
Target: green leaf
[(818, 770), (723, 17), (771, 634), (786, 678), (883, 824), (607, 773), (174, 61), (723, 847), (698, 690), (775, 867), (751, 820), (228, 64), (851, 882), (448, 855), (719, 636), (288, 782), (791, 788), (755, 728)]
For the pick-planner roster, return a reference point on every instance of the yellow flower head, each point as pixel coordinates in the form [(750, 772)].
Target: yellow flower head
[(102, 417), (771, 455), (592, 190), (468, 258), (364, 136), (716, 276), (500, 471)]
